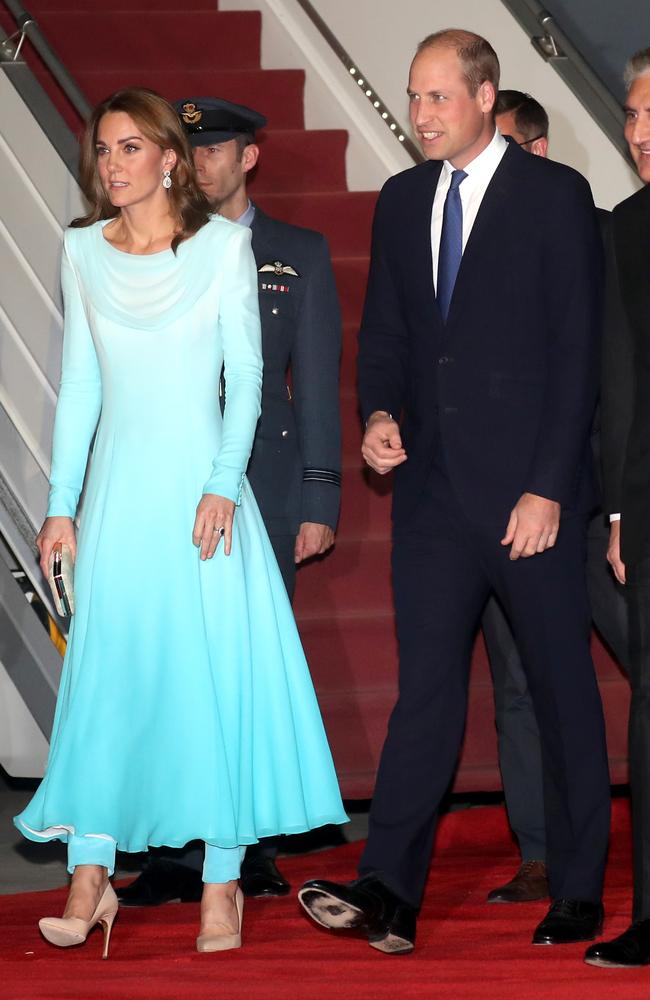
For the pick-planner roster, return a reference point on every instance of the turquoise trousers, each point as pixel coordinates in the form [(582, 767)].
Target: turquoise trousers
[(222, 864)]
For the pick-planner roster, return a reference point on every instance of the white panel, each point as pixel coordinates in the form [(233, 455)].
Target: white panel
[(26, 394), (23, 748), (38, 197), (27, 218), (31, 310), (25, 467), (39, 161)]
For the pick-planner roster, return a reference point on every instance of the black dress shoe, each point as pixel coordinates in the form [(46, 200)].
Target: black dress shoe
[(162, 882), (260, 877), (365, 905), (629, 950), (570, 920)]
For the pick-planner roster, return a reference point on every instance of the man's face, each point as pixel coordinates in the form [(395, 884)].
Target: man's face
[(449, 123), (220, 170), (507, 126), (637, 125)]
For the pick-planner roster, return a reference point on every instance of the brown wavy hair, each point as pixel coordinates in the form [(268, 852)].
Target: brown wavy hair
[(159, 123)]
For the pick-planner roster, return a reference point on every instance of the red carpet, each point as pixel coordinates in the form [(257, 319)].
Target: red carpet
[(466, 948)]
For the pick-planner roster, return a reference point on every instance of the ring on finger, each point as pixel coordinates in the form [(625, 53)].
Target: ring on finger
[(220, 530)]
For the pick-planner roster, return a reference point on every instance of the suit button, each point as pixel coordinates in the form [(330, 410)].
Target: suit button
[(285, 434), (275, 310), (443, 360)]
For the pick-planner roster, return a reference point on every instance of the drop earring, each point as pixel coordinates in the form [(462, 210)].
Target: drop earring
[(167, 181)]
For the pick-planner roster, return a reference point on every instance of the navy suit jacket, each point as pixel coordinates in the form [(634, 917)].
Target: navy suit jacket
[(507, 387)]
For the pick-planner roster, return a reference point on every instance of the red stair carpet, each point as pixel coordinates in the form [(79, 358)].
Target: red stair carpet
[(467, 949), (343, 602)]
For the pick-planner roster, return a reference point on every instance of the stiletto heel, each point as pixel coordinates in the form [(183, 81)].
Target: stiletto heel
[(210, 941), (65, 932), (107, 925)]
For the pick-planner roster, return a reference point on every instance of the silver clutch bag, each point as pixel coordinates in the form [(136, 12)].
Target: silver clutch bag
[(61, 579)]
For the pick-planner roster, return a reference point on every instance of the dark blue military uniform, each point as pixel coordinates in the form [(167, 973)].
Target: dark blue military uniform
[(295, 465)]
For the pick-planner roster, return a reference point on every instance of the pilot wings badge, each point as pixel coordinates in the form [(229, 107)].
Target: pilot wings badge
[(191, 114), (278, 268)]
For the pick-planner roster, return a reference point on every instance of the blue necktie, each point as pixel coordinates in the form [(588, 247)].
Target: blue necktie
[(451, 243)]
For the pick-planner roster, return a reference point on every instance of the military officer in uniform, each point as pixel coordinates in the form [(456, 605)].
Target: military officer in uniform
[(295, 466)]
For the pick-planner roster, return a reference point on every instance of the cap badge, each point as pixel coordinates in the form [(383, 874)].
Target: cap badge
[(277, 267), (191, 114)]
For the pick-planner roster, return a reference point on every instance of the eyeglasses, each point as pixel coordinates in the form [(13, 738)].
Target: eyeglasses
[(526, 142)]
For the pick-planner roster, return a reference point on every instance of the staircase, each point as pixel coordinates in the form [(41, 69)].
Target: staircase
[(343, 601)]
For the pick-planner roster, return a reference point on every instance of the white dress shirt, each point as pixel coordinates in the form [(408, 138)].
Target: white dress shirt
[(479, 174)]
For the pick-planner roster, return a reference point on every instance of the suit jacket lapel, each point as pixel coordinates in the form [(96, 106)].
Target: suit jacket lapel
[(422, 230), (633, 253)]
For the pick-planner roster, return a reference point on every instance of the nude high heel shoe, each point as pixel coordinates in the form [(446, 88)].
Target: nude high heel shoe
[(67, 931), (223, 942)]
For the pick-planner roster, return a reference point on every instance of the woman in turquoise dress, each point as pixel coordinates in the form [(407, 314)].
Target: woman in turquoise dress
[(185, 709)]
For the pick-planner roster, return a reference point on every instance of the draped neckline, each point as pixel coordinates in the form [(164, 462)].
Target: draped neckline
[(148, 291)]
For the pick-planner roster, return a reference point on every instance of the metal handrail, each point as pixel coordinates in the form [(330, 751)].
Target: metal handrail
[(556, 48), (29, 28), (362, 81)]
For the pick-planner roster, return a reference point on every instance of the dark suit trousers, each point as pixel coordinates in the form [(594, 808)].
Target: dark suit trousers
[(444, 568), (520, 753), (520, 758), (637, 592)]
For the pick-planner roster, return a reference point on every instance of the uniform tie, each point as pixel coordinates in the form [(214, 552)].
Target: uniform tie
[(451, 243)]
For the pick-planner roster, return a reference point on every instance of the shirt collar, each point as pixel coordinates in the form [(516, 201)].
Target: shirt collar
[(246, 218), (487, 160)]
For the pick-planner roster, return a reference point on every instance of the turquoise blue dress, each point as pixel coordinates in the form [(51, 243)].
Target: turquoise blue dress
[(186, 709)]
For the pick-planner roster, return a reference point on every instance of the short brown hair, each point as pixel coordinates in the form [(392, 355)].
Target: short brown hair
[(160, 124), (478, 59)]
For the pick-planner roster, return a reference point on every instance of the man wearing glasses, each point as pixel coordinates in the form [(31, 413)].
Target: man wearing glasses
[(524, 119)]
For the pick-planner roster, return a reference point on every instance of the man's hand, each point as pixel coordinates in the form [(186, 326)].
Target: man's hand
[(614, 551), (533, 526), (312, 540), (382, 445)]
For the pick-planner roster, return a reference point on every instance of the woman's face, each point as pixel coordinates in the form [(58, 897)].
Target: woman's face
[(131, 167)]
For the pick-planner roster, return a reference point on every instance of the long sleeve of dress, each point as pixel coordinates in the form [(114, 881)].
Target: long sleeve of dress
[(80, 398), (239, 322)]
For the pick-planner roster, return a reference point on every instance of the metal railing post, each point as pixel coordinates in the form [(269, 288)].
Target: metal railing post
[(28, 28), (553, 45)]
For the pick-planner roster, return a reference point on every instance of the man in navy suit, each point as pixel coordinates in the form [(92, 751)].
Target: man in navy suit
[(478, 373)]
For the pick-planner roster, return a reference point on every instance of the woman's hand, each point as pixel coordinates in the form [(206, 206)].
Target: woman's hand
[(55, 529), (214, 517)]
